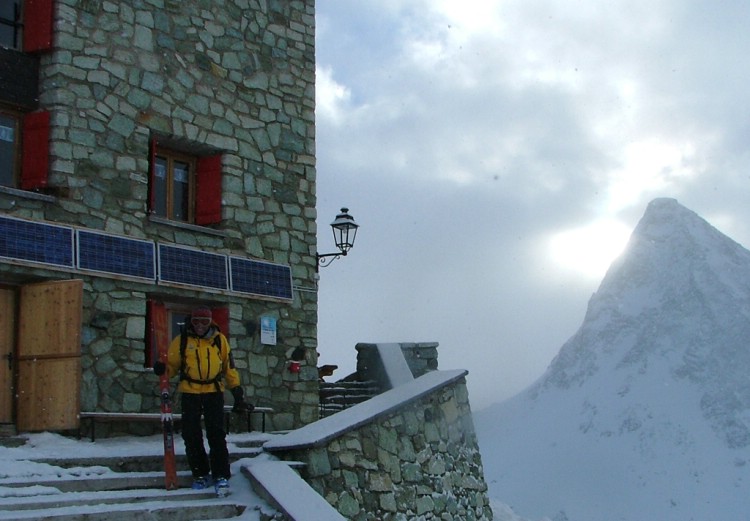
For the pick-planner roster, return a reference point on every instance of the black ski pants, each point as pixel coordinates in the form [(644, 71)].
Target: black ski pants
[(211, 407)]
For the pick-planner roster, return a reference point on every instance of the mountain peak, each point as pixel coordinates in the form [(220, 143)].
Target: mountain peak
[(645, 411), (674, 307)]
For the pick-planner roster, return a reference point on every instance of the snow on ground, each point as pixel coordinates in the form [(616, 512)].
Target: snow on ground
[(22, 464)]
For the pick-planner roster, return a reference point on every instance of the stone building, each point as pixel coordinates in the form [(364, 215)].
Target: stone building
[(154, 154)]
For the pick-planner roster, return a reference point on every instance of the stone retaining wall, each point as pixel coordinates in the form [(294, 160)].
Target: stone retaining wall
[(419, 462)]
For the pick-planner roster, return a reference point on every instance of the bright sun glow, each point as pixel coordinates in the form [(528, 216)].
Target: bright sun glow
[(590, 250)]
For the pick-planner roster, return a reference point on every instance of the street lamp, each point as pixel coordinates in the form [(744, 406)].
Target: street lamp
[(344, 233)]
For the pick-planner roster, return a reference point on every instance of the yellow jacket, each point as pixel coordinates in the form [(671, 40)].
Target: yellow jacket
[(208, 363)]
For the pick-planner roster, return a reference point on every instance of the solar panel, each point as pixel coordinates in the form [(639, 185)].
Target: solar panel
[(36, 242), (260, 278), (116, 254), (194, 267)]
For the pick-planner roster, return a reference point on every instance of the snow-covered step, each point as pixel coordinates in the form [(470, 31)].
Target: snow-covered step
[(151, 511), (46, 498), (110, 480), (93, 481)]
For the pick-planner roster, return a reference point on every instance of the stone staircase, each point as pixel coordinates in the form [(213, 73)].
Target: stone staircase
[(337, 396), (114, 488)]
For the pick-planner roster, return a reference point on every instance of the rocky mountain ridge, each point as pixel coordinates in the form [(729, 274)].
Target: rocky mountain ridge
[(645, 411)]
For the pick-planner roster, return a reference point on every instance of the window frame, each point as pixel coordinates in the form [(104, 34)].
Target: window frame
[(171, 157), (204, 182), (16, 25)]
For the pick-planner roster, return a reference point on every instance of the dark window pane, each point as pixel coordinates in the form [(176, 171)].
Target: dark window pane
[(181, 191), (160, 187), (8, 150), (10, 29)]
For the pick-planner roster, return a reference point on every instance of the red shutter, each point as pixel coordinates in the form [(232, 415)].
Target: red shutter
[(152, 144), (221, 317), (37, 25), (208, 190), (35, 155), (151, 351)]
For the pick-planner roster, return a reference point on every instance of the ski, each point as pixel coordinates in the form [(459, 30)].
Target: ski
[(167, 421)]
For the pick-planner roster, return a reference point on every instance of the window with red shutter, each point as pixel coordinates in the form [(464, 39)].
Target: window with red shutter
[(35, 156), (38, 16), (182, 186)]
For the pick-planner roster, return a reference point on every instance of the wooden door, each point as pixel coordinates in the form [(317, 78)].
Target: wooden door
[(7, 351), (49, 355)]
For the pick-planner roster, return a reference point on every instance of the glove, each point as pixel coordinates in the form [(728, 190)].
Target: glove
[(239, 401), (159, 368)]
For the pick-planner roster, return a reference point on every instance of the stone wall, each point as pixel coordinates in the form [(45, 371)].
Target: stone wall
[(420, 461), (237, 76), (421, 357)]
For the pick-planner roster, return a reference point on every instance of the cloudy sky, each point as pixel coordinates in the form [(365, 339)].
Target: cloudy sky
[(497, 155)]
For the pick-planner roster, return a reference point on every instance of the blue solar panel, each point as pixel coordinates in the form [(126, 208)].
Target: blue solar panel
[(194, 267), (260, 278), (36, 242), (116, 254)]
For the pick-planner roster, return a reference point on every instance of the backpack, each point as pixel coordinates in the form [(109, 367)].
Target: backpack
[(183, 347)]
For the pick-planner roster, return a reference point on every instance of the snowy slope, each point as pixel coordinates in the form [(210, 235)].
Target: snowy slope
[(645, 412)]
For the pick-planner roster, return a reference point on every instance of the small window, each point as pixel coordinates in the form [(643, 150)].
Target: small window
[(184, 187), (174, 185), (10, 148), (10, 24), (24, 149)]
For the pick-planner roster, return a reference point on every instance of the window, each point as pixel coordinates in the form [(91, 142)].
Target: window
[(174, 314), (174, 185), (10, 125), (10, 24), (182, 186), (24, 149), (26, 25)]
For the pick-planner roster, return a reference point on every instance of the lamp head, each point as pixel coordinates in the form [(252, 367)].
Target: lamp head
[(344, 231)]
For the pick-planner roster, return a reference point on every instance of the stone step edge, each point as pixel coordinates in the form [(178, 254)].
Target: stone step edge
[(101, 482), (116, 462), (108, 497), (224, 509)]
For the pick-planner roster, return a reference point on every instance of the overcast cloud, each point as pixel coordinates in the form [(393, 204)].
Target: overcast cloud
[(497, 155)]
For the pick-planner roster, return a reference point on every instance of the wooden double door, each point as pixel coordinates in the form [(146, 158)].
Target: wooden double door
[(40, 345)]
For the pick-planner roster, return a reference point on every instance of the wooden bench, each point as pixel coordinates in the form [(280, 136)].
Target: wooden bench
[(92, 417)]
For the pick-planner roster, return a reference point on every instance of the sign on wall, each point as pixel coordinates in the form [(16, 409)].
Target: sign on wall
[(268, 330)]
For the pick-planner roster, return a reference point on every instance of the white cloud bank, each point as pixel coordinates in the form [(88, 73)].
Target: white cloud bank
[(497, 153)]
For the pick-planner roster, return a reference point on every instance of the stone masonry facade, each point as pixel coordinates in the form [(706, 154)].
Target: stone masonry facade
[(234, 76), (420, 462)]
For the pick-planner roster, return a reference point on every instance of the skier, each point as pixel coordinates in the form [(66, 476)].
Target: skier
[(202, 358)]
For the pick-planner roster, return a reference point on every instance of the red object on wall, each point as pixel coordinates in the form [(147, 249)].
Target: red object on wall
[(38, 16), (35, 156), (208, 190), (221, 317), (294, 366)]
